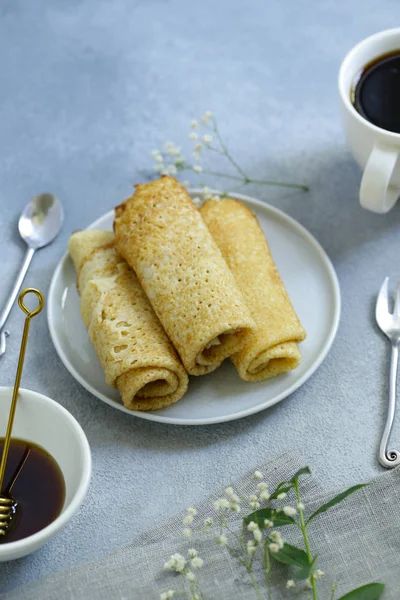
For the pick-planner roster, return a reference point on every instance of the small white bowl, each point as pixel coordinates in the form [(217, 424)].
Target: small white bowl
[(40, 420)]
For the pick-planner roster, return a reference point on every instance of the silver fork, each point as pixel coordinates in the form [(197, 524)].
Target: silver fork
[(390, 325)]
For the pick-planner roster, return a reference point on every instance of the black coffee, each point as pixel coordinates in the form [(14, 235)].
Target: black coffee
[(377, 92)]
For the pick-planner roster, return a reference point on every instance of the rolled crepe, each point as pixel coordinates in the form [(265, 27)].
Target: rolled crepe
[(134, 351), (272, 348), (161, 235)]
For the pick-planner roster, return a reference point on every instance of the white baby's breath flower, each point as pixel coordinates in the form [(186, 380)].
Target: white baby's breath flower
[(206, 117), (156, 154), (289, 511), (192, 553), (251, 546), (187, 532), (186, 183), (273, 547), (290, 583), (254, 505), (262, 486), (196, 596), (207, 139), (188, 520), (264, 496), (253, 498), (179, 160), (190, 576), (318, 574), (197, 562), (171, 170), (268, 523), (257, 475), (197, 168), (167, 595), (172, 149), (221, 503), (235, 499), (192, 511), (228, 491), (198, 147), (194, 124), (252, 526), (176, 563), (216, 197), (159, 168), (193, 136), (207, 193), (308, 583), (257, 535), (235, 507), (222, 540), (300, 506), (198, 202), (209, 522), (281, 496), (277, 538)]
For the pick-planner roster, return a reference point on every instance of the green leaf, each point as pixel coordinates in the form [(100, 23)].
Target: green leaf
[(303, 471), (371, 591), (282, 487), (307, 571), (290, 555), (336, 500), (279, 519)]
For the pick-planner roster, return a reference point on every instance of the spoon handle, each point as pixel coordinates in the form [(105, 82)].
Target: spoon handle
[(13, 296), (29, 314)]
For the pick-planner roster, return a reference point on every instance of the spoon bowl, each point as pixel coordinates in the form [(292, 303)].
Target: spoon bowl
[(41, 220)]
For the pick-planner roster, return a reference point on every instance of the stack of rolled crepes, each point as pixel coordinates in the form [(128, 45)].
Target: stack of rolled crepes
[(162, 236), (133, 348), (271, 348), (178, 282)]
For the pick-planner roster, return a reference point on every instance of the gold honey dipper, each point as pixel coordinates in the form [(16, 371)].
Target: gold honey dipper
[(8, 506)]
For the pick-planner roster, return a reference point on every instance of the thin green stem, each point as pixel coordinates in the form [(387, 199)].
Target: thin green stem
[(246, 180), (254, 584), (267, 567), (226, 151), (237, 556), (297, 186), (306, 542), (333, 591)]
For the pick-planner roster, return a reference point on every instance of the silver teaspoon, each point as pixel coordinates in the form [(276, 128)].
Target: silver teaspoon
[(38, 225)]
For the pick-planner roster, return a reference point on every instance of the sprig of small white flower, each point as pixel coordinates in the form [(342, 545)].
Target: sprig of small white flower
[(206, 137), (259, 538), (183, 566)]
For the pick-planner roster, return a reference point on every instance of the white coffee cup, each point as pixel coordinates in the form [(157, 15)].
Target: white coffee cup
[(376, 150)]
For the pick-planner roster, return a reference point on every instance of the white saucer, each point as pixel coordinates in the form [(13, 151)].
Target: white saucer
[(312, 285)]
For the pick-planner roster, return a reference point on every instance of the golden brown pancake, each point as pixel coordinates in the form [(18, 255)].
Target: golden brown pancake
[(134, 351), (272, 348), (162, 237)]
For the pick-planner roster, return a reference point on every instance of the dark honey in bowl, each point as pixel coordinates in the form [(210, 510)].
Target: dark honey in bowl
[(39, 488), (376, 91)]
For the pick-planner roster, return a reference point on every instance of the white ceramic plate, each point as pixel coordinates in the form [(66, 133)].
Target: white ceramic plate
[(221, 396)]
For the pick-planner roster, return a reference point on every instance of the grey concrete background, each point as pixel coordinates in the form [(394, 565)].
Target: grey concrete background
[(87, 89)]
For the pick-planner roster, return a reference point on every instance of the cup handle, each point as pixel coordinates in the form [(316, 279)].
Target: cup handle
[(376, 193)]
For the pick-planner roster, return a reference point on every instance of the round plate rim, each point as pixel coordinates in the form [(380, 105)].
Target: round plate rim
[(154, 416)]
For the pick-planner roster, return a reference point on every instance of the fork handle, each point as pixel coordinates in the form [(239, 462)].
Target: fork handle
[(390, 458)]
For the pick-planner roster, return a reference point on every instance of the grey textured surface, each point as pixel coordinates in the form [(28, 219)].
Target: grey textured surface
[(87, 89)]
